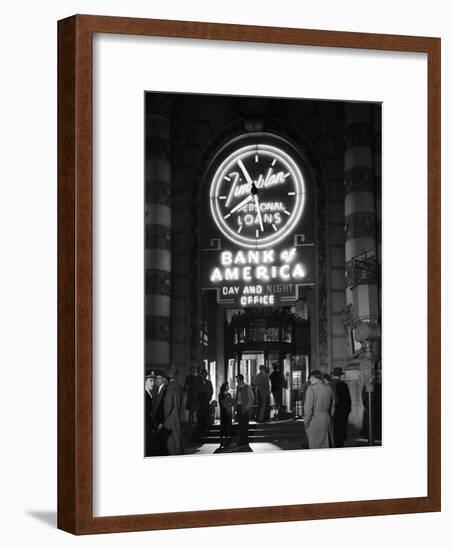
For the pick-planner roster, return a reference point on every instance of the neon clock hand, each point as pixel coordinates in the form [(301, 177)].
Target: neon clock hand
[(245, 201), (245, 172), (259, 214)]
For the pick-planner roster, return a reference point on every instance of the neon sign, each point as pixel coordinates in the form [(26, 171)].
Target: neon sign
[(234, 266), (257, 277), (258, 244), (257, 196)]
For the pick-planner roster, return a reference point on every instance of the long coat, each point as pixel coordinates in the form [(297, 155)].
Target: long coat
[(342, 408), (157, 414), (172, 405), (318, 410), (148, 421), (158, 440), (192, 389), (262, 384), (205, 392)]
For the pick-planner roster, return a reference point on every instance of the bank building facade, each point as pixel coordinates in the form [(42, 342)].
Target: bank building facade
[(263, 241)]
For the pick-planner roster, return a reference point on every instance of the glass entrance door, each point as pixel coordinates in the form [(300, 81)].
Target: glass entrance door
[(249, 365)]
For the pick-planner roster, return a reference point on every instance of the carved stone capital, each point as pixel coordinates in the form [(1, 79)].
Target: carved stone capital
[(367, 331)]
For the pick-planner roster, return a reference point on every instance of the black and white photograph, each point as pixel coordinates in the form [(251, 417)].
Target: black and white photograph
[(225, 235), (262, 274)]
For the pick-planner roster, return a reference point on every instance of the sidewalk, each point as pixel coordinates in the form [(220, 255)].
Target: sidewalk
[(263, 437)]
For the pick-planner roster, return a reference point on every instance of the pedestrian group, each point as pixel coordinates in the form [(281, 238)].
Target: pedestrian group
[(327, 405)]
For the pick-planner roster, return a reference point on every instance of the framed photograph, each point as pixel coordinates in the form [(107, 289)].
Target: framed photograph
[(249, 274)]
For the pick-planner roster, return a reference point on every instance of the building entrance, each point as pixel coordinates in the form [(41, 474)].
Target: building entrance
[(268, 337), (293, 367)]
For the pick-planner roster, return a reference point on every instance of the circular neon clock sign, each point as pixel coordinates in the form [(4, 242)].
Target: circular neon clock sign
[(257, 195)]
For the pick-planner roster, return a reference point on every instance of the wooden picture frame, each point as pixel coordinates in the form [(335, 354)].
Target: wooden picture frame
[(75, 279)]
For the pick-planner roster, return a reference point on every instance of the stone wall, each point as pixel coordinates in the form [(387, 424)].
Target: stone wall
[(199, 125)]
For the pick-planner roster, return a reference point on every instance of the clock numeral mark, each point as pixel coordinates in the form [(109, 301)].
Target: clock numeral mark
[(256, 158), (286, 175), (287, 212), (274, 227), (290, 193), (274, 162), (227, 216), (227, 178), (257, 233), (239, 230), (223, 197)]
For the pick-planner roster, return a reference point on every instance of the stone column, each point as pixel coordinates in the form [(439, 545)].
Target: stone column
[(360, 249), (158, 234)]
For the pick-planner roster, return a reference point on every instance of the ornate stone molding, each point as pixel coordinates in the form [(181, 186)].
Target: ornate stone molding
[(347, 315), (158, 282), (158, 236), (158, 328), (356, 275), (360, 224), (158, 191), (367, 331), (359, 178)]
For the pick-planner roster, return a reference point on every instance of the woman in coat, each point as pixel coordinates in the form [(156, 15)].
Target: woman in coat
[(318, 412)]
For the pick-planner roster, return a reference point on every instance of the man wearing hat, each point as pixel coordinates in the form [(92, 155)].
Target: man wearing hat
[(205, 392), (159, 433), (148, 399), (263, 392), (318, 412), (278, 383), (342, 408), (172, 406)]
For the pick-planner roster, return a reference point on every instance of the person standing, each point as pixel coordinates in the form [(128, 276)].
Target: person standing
[(191, 389), (263, 392), (205, 392), (157, 416), (226, 402), (172, 406), (148, 396), (277, 385), (342, 408), (318, 412), (243, 401)]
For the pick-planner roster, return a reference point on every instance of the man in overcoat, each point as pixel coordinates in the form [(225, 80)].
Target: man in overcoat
[(205, 392), (318, 412), (278, 383), (263, 392), (149, 396), (191, 389), (159, 435), (172, 405), (342, 408)]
